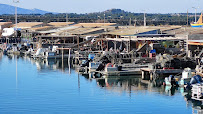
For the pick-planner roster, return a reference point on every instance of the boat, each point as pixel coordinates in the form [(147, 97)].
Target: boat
[(177, 81), (198, 24), (197, 88), (186, 77)]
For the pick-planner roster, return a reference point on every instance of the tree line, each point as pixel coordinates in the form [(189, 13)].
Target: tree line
[(114, 16)]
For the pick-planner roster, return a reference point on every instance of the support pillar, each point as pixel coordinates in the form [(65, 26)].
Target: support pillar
[(115, 45), (69, 61), (143, 75), (151, 76), (78, 42), (62, 58)]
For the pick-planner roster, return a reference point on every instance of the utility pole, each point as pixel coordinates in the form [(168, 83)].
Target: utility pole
[(145, 23), (66, 17), (187, 48), (135, 22), (187, 17), (16, 15), (144, 19), (130, 22), (121, 19), (104, 19), (195, 13)]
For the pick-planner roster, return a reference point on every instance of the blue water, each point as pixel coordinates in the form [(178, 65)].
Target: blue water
[(49, 87)]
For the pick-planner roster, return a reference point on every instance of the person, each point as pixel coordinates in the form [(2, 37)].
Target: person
[(124, 50), (105, 52), (111, 49), (117, 51)]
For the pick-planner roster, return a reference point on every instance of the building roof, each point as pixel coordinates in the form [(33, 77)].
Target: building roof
[(59, 30), (41, 28), (84, 30), (185, 31), (59, 24), (25, 25), (166, 28), (130, 30), (147, 39), (5, 23), (95, 24), (56, 37)]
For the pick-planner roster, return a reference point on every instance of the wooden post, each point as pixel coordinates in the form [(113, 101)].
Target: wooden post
[(52, 41), (187, 47), (114, 45), (78, 42), (151, 76), (90, 75), (69, 61), (101, 45), (62, 58), (62, 53), (86, 69), (107, 45), (143, 75), (40, 42), (69, 56), (129, 44)]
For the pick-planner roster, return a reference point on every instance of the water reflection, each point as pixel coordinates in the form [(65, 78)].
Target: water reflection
[(115, 84), (133, 84), (130, 85), (1, 54), (197, 106), (43, 65), (98, 88), (51, 65)]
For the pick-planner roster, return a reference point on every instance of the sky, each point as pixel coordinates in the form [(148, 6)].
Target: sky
[(89, 6)]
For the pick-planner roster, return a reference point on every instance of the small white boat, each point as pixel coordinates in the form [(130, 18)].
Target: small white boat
[(186, 77), (175, 80)]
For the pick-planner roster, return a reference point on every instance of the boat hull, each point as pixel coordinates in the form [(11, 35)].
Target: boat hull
[(197, 25)]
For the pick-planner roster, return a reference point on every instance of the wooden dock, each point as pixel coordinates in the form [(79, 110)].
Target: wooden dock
[(120, 73), (147, 72)]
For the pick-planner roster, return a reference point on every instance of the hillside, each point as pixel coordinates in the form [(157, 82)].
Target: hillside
[(8, 9)]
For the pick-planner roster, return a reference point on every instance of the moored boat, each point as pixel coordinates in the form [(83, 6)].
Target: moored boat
[(198, 24)]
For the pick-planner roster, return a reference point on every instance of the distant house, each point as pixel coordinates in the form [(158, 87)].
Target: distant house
[(5, 25)]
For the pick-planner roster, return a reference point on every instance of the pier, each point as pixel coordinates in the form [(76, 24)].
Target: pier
[(103, 62), (157, 73)]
